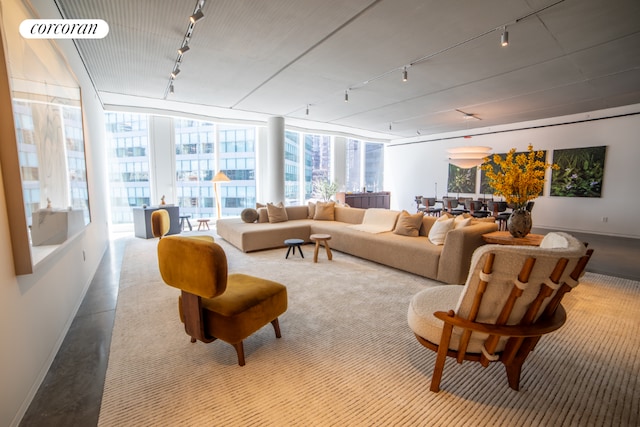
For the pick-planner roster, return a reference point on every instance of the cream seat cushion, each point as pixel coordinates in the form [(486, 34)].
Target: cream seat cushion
[(422, 306)]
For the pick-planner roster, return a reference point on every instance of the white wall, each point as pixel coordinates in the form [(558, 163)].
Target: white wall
[(36, 310), (413, 167)]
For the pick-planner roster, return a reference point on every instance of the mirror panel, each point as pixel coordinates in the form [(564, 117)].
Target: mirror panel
[(45, 104)]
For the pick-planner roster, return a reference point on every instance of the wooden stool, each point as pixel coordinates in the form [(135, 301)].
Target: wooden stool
[(294, 243), (202, 223), (324, 238)]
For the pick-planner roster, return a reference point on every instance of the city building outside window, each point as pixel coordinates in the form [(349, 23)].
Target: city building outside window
[(238, 161), (291, 168), (128, 138), (195, 166)]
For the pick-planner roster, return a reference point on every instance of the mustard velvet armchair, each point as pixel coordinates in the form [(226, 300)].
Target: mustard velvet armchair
[(512, 297), (160, 223), (214, 304)]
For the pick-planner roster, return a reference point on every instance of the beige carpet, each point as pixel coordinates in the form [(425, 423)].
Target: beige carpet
[(348, 358)]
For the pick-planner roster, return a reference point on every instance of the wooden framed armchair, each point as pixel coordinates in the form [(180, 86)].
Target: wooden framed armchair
[(214, 304), (510, 300)]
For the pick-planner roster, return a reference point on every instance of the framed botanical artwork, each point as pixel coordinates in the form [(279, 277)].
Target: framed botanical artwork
[(581, 172), (461, 180)]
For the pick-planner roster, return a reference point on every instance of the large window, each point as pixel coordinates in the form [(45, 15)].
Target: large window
[(373, 166), (353, 181), (128, 138), (238, 162), (292, 168), (195, 165), (317, 161), (365, 166), (202, 149)]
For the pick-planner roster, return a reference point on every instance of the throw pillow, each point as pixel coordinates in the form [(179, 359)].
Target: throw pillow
[(263, 215), (325, 211), (312, 210), (249, 215), (409, 225), (440, 229), (277, 213), (260, 205), (460, 221)]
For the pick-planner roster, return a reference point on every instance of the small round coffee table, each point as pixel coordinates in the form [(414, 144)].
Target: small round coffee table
[(324, 238), (294, 243)]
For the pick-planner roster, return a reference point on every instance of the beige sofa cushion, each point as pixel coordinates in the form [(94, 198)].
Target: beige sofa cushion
[(409, 225), (312, 210), (263, 215), (277, 213), (324, 211)]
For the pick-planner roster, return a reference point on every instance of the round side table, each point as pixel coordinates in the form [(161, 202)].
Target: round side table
[(324, 239)]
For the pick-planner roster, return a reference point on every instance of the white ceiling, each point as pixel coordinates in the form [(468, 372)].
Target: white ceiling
[(276, 57)]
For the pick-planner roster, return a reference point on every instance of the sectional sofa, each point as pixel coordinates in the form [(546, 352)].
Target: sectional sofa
[(359, 232)]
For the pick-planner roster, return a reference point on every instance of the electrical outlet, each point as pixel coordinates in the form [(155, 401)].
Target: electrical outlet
[(605, 219), (84, 256)]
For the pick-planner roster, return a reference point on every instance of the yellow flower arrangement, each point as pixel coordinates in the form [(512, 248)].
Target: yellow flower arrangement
[(520, 178)]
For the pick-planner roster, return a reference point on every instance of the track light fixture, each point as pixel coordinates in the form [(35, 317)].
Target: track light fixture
[(405, 75), (346, 96), (504, 38), (196, 16), (184, 46), (307, 112)]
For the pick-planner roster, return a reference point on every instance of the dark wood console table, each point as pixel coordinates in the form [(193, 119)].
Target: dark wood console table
[(381, 199)]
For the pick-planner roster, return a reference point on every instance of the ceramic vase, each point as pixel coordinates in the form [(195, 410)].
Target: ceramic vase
[(519, 222)]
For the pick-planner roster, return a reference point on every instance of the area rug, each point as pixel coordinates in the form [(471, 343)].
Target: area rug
[(348, 358)]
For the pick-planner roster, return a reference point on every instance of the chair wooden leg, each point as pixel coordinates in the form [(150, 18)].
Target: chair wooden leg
[(443, 347), (240, 351), (276, 327), (513, 375)]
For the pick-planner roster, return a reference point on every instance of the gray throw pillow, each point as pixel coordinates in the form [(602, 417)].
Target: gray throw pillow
[(249, 215)]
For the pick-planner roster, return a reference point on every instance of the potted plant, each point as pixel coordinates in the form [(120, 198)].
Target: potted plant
[(519, 179), (324, 189)]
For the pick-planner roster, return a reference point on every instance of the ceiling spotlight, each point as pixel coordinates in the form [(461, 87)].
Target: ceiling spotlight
[(175, 72), (346, 96), (196, 16), (183, 49), (405, 75), (504, 39)]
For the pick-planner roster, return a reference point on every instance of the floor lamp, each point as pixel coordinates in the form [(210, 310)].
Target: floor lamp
[(220, 177)]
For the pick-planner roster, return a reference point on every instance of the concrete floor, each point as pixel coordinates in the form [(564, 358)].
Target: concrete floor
[(71, 393)]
